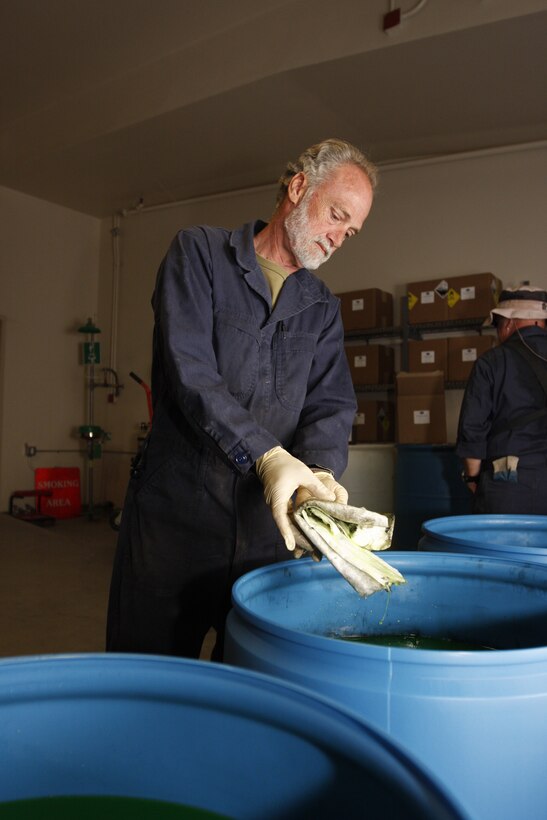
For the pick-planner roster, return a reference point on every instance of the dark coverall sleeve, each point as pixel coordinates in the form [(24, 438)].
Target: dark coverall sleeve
[(476, 412), (183, 309)]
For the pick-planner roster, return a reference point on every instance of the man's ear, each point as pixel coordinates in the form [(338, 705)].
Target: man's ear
[(297, 187)]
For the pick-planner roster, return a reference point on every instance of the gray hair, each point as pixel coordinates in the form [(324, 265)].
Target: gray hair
[(318, 161)]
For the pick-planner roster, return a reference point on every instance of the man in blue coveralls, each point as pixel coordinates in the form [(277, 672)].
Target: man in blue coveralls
[(253, 402), (502, 434)]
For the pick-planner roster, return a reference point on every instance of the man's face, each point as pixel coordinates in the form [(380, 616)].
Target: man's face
[(325, 216)]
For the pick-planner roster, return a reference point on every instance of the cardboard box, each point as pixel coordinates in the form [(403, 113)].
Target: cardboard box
[(463, 352), (427, 355), (365, 309), (374, 422), (473, 296), (427, 301), (421, 411), (371, 364), (448, 300)]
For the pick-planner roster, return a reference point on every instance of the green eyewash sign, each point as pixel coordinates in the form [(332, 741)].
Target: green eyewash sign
[(92, 352)]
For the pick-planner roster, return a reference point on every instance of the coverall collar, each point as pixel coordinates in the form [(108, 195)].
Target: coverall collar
[(301, 288)]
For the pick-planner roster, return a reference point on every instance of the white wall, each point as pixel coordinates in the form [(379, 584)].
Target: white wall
[(49, 266), (470, 214)]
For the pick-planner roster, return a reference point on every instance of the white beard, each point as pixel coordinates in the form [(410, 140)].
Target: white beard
[(305, 249)]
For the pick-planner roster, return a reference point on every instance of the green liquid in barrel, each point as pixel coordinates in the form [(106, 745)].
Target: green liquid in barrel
[(98, 808), (413, 641)]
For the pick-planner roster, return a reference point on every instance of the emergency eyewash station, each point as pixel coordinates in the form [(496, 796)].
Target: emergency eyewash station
[(57, 491)]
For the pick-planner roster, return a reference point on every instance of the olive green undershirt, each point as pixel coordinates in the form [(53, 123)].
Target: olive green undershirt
[(275, 276)]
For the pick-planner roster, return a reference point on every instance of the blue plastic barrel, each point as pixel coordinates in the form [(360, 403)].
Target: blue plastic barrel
[(519, 537), (427, 484), (197, 734), (476, 719)]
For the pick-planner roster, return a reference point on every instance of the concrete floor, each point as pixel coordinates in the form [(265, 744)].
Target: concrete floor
[(54, 584)]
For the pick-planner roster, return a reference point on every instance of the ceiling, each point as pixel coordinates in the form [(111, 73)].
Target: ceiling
[(104, 102)]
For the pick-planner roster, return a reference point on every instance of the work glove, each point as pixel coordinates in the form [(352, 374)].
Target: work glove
[(283, 474), (340, 493)]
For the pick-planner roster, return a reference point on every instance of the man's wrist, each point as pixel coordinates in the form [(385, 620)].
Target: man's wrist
[(470, 479)]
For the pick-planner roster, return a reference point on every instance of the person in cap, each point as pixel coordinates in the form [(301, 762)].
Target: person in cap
[(253, 401), (502, 430)]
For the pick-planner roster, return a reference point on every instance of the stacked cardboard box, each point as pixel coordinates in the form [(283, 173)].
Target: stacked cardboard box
[(463, 352), (370, 364), (427, 355), (452, 299), (421, 412), (473, 297), (365, 309), (374, 422), (427, 301)]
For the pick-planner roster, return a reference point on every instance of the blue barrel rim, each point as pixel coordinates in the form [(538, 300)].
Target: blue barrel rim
[(161, 680), (437, 526), (447, 563), (333, 727)]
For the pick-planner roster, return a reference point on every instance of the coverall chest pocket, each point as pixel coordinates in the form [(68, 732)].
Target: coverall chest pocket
[(237, 351), (294, 354)]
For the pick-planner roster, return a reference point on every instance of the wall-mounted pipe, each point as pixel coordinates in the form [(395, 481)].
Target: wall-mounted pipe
[(386, 165), (411, 12), (115, 234)]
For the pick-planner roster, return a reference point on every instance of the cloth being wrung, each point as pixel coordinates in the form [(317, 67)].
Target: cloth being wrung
[(348, 537)]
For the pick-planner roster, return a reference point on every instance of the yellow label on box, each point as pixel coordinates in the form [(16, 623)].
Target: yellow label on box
[(412, 300)]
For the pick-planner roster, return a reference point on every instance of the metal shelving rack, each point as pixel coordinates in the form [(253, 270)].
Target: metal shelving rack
[(403, 333)]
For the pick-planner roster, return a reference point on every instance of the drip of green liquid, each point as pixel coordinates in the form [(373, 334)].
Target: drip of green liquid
[(413, 641), (93, 807)]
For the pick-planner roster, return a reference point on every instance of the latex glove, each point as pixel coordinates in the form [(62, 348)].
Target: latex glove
[(283, 474), (328, 480)]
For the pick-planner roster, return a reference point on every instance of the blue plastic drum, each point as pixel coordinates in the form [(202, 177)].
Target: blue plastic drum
[(476, 718), (199, 735), (519, 537)]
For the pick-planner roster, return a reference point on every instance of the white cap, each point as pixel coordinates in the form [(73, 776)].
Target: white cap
[(522, 302)]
